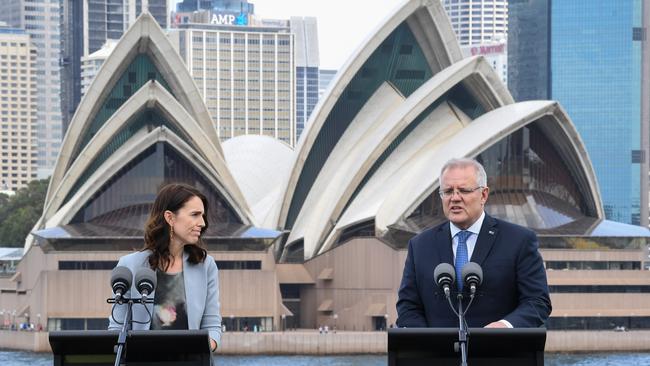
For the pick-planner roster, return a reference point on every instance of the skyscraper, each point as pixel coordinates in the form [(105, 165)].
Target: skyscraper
[(325, 77), (529, 65), (307, 63), (41, 21), (481, 28), (18, 109), (246, 75), (86, 26), (478, 21), (90, 64), (594, 60), (267, 69)]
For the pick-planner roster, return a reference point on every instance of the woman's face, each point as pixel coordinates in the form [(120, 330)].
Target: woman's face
[(187, 221)]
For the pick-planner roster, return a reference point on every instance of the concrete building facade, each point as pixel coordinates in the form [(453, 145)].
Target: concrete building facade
[(246, 77), (250, 102), (18, 109), (41, 21), (478, 21)]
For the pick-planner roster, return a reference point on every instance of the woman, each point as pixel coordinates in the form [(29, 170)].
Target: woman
[(187, 290)]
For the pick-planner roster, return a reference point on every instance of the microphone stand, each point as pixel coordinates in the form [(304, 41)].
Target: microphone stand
[(121, 340), (462, 331), (127, 325)]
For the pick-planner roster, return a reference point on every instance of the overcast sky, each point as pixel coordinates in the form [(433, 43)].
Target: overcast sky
[(342, 24)]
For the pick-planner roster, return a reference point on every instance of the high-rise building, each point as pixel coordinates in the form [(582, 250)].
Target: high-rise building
[(41, 20), (257, 76), (86, 26), (307, 63), (481, 27), (529, 65), (478, 21), (90, 64), (246, 76), (594, 60), (18, 109), (495, 53), (325, 77)]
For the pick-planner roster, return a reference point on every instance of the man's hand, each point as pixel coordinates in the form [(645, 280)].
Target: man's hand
[(497, 324)]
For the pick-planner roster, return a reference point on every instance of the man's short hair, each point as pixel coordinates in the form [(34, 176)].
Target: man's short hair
[(481, 176)]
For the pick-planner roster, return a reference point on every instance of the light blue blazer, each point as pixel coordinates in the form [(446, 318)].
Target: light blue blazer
[(201, 295)]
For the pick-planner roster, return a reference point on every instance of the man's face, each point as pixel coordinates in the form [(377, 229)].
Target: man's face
[(462, 209)]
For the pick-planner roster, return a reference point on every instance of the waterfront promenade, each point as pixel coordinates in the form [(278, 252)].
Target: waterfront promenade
[(308, 342)]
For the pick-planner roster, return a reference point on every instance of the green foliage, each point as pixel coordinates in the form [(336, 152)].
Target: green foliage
[(19, 213)]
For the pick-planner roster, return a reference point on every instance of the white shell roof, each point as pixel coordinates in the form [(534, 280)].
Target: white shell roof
[(430, 25), (258, 175), (259, 164)]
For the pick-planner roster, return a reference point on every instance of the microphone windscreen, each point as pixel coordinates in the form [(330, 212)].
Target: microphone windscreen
[(121, 275), (444, 269), (145, 275), (472, 269)]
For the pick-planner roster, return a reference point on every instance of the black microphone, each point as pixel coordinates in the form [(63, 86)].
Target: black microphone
[(444, 276), (121, 282), (145, 281), (472, 276)]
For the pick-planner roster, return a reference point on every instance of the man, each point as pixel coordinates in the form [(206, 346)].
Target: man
[(514, 292)]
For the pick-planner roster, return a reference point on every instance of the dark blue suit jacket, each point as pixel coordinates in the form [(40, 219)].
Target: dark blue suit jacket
[(514, 280)]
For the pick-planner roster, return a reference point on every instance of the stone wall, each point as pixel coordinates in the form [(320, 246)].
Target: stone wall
[(314, 343)]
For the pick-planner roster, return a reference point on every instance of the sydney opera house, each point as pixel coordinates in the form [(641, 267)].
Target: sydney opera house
[(317, 235)]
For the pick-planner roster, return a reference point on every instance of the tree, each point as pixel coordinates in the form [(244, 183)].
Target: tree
[(19, 213)]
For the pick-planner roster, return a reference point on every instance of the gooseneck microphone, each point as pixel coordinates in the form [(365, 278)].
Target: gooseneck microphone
[(145, 281), (121, 282), (444, 276), (472, 275)]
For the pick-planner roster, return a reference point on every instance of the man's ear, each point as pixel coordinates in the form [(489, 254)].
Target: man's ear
[(484, 195)]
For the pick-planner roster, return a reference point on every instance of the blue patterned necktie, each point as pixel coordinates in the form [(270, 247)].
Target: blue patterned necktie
[(461, 256)]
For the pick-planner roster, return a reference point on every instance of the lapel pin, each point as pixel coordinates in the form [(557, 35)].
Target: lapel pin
[(491, 232)]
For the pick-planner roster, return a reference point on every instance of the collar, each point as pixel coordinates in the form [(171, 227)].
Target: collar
[(474, 229)]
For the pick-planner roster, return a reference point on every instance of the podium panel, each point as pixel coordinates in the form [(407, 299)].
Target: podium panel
[(150, 347), (486, 346)]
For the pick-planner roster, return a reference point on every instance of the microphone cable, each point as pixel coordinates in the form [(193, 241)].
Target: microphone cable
[(133, 320)]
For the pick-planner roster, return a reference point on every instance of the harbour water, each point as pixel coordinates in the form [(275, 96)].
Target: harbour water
[(18, 358)]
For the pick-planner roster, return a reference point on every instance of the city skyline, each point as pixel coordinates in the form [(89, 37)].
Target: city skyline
[(333, 23)]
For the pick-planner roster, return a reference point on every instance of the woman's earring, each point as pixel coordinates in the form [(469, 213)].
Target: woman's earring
[(171, 233)]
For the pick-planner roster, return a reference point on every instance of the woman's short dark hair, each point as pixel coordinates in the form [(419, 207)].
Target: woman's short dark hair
[(156, 231)]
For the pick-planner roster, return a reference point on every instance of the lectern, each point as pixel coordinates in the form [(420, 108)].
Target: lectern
[(437, 346), (143, 348)]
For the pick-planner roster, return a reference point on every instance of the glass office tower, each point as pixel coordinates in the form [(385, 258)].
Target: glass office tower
[(596, 76), (588, 55)]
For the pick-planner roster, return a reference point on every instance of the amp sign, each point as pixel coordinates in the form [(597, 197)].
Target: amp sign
[(229, 19)]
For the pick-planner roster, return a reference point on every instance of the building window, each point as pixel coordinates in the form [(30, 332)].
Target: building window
[(87, 265), (241, 265)]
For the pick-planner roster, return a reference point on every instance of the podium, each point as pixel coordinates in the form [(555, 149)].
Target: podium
[(486, 346), (143, 348)]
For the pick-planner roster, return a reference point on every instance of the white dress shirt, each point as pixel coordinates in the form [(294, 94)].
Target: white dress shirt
[(471, 240)]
